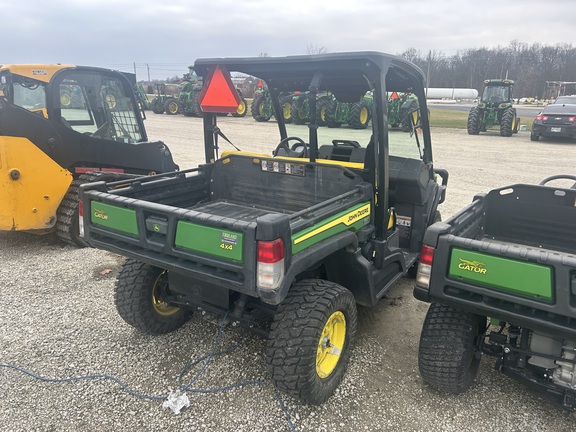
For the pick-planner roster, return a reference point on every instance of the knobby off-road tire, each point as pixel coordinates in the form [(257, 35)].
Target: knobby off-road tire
[(331, 121), (171, 106), (241, 110), (297, 106), (310, 340), (406, 121), (359, 116), (321, 106), (447, 355), (67, 223), (474, 118), (138, 295), (258, 112), (286, 106), (508, 122)]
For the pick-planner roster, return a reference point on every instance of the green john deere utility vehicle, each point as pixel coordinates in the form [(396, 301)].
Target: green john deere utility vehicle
[(495, 109), (286, 237)]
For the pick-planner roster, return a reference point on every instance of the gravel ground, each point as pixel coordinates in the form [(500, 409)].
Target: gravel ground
[(58, 319)]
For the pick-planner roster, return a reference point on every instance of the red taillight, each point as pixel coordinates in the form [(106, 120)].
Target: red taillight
[(426, 255), (541, 117), (571, 119), (270, 265), (425, 266), (81, 218), (270, 252)]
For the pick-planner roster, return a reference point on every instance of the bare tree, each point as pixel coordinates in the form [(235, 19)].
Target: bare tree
[(315, 49)]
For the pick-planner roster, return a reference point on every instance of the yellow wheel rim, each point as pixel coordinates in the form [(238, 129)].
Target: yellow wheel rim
[(331, 344), (65, 99), (173, 107), (241, 108), (323, 113), (364, 116), (287, 110), (513, 123), (261, 108), (159, 305), (111, 101)]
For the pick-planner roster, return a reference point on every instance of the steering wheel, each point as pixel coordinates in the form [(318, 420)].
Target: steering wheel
[(298, 149), (559, 177)]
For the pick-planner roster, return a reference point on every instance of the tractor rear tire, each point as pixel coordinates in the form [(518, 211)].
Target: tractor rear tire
[(242, 109), (286, 106), (296, 112), (138, 296), (257, 109), (359, 116), (67, 222), (310, 340), (406, 120), (171, 106), (331, 120), (474, 120), (321, 106), (448, 357), (156, 107), (508, 122)]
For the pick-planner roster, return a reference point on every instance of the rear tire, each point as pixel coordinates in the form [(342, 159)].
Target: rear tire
[(139, 301), (474, 120), (310, 340), (534, 137), (508, 122), (258, 111), (171, 106), (286, 106), (242, 109), (331, 113), (321, 106), (359, 116), (447, 356)]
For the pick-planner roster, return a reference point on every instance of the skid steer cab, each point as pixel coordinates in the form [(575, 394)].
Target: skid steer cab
[(62, 126), (287, 229)]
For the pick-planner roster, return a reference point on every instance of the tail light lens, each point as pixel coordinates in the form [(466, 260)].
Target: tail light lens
[(425, 266), (81, 218), (270, 264), (571, 119), (541, 117)]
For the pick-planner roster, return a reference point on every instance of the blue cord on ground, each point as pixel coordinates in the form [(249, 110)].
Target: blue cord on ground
[(183, 388)]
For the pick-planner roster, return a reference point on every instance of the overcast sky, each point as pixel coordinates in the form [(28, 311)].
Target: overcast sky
[(169, 35)]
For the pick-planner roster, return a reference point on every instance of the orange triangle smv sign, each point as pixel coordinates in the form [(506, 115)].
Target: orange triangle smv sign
[(219, 93)]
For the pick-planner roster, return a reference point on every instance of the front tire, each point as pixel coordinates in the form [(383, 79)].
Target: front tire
[(311, 338), (447, 357), (139, 296)]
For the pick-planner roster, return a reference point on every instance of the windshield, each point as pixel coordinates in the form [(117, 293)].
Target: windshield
[(496, 94), (99, 105), (25, 92)]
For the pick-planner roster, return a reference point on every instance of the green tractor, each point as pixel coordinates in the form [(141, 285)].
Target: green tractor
[(495, 108), (400, 105), (301, 107), (163, 103), (355, 114), (262, 109)]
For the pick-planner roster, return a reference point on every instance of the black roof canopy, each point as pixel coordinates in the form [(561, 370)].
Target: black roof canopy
[(347, 75)]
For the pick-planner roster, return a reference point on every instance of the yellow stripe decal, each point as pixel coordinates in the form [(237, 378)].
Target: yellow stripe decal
[(347, 219)]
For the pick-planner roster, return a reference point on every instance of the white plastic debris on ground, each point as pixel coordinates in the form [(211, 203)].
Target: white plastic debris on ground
[(176, 401)]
